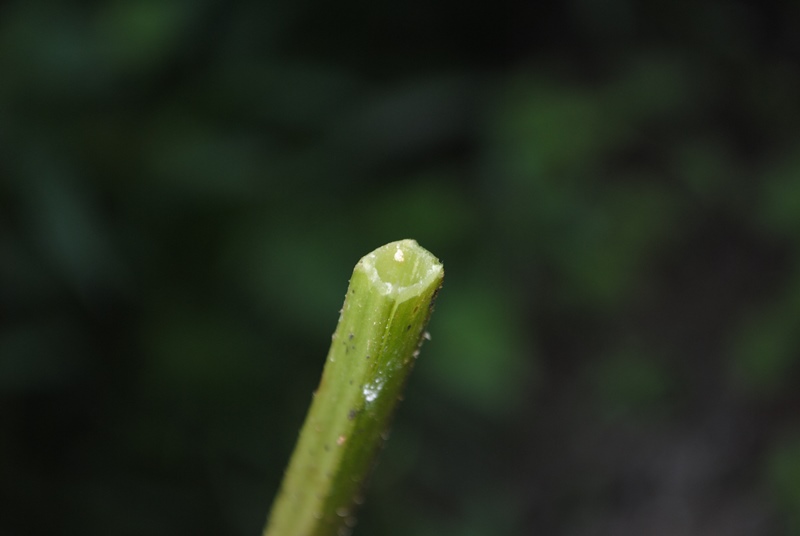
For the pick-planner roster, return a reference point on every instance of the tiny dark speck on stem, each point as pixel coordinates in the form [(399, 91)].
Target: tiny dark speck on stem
[(367, 356), (350, 336), (352, 414), (408, 327)]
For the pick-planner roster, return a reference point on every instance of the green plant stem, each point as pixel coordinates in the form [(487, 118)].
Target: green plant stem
[(381, 327)]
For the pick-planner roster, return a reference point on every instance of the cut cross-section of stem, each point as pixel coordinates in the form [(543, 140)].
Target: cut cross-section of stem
[(380, 330)]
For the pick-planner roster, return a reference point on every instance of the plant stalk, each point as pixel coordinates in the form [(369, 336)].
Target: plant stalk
[(377, 339)]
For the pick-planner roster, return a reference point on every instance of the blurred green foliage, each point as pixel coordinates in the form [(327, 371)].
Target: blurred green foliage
[(784, 475), (614, 188)]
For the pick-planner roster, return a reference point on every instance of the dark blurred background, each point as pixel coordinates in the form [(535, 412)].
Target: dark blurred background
[(614, 188)]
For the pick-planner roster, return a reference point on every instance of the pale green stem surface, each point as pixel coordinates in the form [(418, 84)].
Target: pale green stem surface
[(381, 327)]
